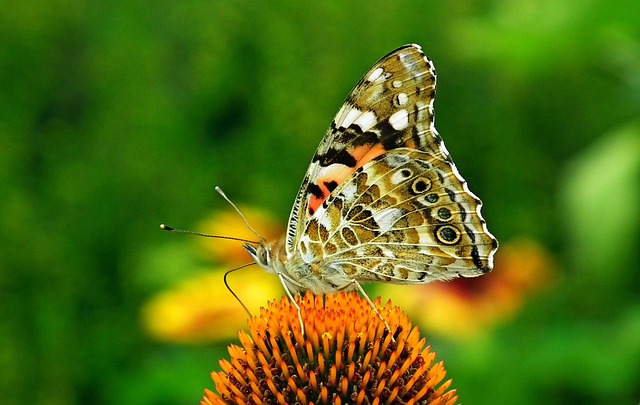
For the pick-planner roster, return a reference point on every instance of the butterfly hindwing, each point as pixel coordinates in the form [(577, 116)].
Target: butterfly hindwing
[(405, 217)]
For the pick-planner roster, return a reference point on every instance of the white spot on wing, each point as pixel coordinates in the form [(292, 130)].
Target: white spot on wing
[(323, 220), (403, 99), (399, 120), (397, 83), (420, 107), (345, 118), (366, 120), (387, 218), (397, 178), (375, 74)]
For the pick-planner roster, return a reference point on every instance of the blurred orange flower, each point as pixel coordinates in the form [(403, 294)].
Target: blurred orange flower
[(346, 356), (465, 307)]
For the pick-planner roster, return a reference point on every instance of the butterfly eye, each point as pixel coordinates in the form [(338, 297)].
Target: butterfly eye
[(263, 256)]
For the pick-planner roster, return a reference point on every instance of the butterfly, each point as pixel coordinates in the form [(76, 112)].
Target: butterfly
[(382, 200)]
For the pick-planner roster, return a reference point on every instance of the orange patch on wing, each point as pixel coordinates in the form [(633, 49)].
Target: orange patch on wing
[(337, 173), (365, 154)]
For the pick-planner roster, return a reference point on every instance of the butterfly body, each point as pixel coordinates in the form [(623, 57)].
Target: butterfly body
[(295, 273), (382, 200)]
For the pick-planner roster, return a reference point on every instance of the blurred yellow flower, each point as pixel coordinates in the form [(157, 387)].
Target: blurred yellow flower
[(229, 223), (347, 356), (465, 307), (201, 309)]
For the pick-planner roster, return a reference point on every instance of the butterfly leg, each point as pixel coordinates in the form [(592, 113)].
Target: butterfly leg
[(364, 294), (284, 280)]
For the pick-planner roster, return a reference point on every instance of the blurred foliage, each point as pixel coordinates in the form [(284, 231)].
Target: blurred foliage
[(117, 116)]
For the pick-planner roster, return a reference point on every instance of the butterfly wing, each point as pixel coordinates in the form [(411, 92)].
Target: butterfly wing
[(390, 107), (382, 199)]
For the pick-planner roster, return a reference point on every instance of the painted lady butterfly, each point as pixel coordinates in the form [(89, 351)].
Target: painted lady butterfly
[(382, 200)]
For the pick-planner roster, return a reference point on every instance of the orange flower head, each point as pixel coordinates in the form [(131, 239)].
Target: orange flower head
[(347, 356)]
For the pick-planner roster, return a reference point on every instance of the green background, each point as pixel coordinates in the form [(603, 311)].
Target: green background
[(117, 116)]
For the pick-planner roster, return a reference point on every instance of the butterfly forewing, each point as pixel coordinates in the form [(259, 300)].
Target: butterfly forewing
[(390, 107)]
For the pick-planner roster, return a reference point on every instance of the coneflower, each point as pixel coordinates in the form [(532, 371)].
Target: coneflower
[(347, 356)]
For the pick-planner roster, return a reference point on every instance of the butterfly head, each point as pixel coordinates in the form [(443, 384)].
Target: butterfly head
[(262, 254)]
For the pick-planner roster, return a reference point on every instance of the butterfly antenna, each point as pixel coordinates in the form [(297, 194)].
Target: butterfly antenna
[(171, 229), (219, 190), (226, 284)]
